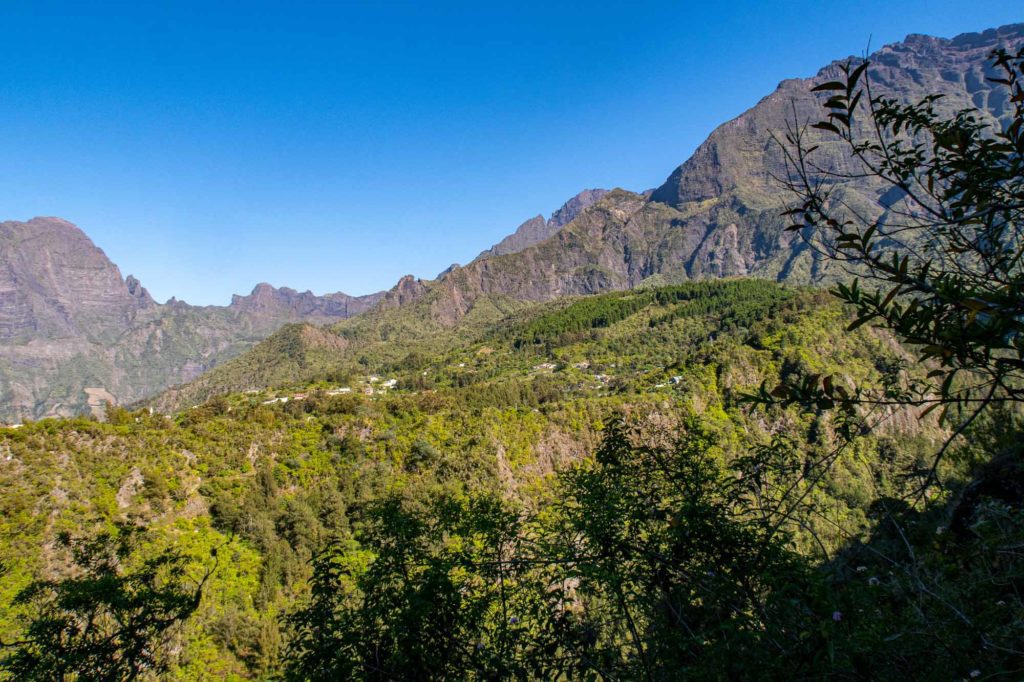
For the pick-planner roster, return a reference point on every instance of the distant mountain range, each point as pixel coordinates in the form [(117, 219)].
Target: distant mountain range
[(73, 333)]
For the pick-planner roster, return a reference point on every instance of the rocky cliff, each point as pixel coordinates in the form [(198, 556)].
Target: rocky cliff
[(74, 334)]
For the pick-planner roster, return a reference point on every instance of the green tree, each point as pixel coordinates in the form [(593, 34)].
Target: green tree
[(672, 574), (940, 260), (430, 590), (107, 622)]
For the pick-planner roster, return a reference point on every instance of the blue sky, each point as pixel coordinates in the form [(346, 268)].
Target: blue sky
[(209, 146)]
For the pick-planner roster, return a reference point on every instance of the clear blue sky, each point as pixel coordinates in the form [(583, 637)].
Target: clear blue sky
[(206, 146)]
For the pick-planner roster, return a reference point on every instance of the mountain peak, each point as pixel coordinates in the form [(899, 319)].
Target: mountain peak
[(538, 228), (139, 292)]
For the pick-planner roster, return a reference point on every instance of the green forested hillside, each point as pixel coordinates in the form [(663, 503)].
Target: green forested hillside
[(269, 478), (269, 483)]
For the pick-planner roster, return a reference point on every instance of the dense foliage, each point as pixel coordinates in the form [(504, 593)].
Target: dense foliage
[(105, 623), (302, 494), (940, 257)]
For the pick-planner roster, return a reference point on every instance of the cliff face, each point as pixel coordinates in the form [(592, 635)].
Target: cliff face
[(54, 282), (74, 334), (717, 214)]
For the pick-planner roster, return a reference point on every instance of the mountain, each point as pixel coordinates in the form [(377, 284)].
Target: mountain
[(716, 215), (537, 229), (284, 302), (74, 334)]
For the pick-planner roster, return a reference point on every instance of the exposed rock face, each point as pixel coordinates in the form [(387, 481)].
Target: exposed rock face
[(717, 215), (408, 289), (74, 334), (572, 208), (537, 229), (54, 282), (267, 300)]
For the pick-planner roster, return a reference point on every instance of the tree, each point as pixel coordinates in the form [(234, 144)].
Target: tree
[(940, 260), (108, 622), (434, 589), (674, 574)]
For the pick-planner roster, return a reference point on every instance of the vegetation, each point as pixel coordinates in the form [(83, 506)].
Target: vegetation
[(942, 256), (281, 487), (105, 623), (596, 488)]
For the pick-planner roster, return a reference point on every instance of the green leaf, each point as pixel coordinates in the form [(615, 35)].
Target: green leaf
[(861, 321), (830, 85), (855, 76), (825, 125)]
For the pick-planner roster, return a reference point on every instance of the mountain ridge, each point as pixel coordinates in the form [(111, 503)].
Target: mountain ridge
[(718, 214), (539, 228)]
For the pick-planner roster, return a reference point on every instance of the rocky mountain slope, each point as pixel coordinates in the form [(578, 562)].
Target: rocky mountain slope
[(716, 215), (74, 334), (537, 229)]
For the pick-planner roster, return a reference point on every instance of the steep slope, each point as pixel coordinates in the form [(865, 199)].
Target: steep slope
[(717, 215), (54, 282), (74, 334)]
